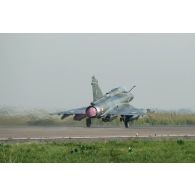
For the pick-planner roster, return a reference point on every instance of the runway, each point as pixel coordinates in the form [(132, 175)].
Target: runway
[(30, 133)]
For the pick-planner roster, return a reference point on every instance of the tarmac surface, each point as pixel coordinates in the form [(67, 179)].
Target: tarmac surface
[(30, 133)]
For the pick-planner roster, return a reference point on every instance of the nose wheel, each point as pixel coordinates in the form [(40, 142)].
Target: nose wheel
[(88, 122), (126, 123)]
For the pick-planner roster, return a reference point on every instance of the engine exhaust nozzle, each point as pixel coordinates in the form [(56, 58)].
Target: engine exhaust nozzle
[(91, 112)]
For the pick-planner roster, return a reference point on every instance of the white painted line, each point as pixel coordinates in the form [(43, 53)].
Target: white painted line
[(92, 137)]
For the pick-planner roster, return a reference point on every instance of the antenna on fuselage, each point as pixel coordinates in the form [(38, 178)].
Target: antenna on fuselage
[(132, 88)]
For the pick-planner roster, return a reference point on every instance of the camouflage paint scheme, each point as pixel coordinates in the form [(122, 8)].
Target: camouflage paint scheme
[(113, 104)]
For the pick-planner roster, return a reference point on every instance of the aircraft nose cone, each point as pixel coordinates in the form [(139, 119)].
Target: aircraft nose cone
[(91, 112)]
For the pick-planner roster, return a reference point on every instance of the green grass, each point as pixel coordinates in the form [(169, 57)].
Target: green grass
[(45, 119), (167, 119), (100, 151)]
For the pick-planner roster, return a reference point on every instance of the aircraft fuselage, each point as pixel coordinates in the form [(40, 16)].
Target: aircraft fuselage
[(112, 99)]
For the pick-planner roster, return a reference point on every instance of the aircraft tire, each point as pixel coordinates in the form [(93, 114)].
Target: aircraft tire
[(88, 122), (126, 122)]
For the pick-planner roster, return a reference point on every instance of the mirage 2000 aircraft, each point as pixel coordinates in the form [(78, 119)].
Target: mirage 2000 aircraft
[(107, 107)]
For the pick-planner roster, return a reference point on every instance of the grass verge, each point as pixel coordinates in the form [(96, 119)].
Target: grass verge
[(45, 119), (123, 151)]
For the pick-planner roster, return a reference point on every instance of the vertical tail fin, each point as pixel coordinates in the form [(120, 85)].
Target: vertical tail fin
[(97, 93)]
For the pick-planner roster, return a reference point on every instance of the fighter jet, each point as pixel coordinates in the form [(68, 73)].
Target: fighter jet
[(108, 107)]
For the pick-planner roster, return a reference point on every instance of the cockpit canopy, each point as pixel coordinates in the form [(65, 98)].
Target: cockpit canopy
[(116, 91)]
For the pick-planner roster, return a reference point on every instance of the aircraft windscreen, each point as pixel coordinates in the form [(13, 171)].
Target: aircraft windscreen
[(118, 90)]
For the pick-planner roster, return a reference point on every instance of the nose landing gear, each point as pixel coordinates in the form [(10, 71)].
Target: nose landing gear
[(88, 122)]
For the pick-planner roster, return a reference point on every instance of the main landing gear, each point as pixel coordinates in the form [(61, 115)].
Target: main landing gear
[(88, 122), (126, 120)]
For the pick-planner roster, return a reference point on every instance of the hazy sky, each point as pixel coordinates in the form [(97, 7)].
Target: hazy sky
[(53, 71)]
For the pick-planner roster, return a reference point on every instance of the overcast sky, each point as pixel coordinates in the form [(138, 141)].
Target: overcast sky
[(53, 71)]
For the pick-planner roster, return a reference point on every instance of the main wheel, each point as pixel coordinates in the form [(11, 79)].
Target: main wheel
[(126, 124), (126, 121), (88, 122)]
